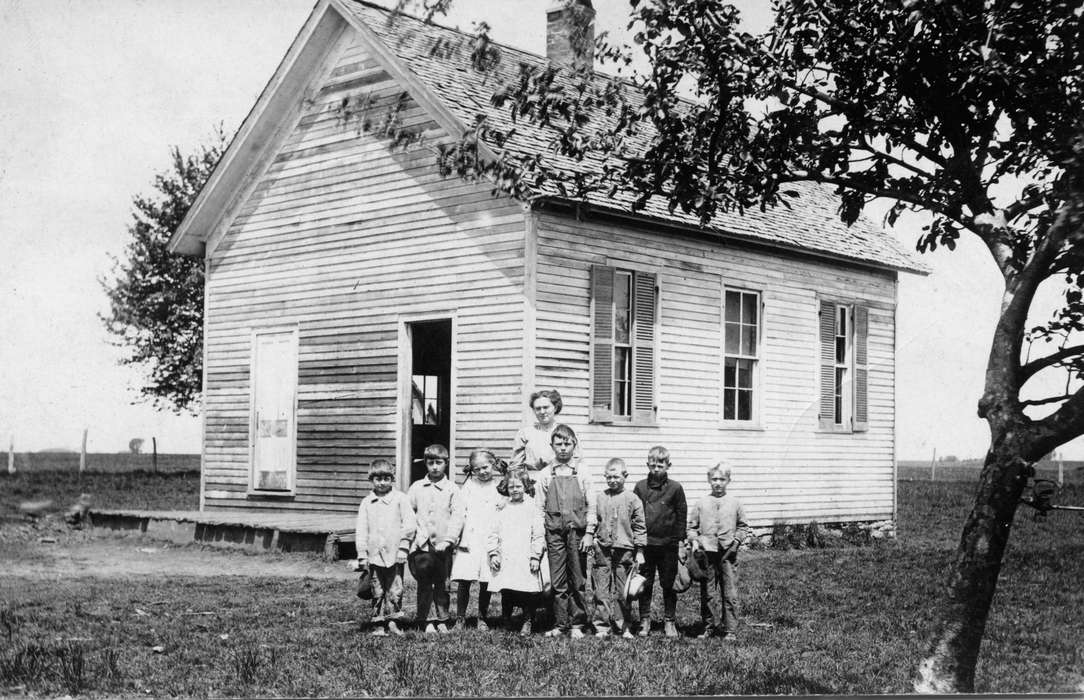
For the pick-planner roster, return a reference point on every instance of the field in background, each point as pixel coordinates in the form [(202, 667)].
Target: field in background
[(100, 462), (968, 470)]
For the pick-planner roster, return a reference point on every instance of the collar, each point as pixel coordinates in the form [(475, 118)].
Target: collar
[(439, 485), (662, 482), (386, 498), (571, 464)]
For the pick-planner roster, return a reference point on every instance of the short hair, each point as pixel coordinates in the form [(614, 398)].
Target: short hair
[(721, 467), (381, 467), (659, 452), (489, 454), (619, 463), (436, 451), (562, 430), (552, 394), (524, 478)]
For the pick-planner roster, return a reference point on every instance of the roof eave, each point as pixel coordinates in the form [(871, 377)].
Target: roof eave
[(624, 214)]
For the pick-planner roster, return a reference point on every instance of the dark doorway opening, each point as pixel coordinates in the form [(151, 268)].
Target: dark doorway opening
[(430, 390)]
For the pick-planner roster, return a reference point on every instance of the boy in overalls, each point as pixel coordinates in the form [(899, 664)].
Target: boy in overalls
[(566, 495)]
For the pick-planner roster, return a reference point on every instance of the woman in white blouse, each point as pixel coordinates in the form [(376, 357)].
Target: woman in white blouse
[(531, 447)]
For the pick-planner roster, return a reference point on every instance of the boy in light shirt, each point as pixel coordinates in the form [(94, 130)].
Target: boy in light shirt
[(385, 528), (620, 534), (717, 527)]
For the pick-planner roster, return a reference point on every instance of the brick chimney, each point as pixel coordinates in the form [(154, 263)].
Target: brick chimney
[(570, 33)]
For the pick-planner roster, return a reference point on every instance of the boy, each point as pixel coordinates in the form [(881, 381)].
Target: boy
[(665, 510), (566, 495), (717, 526), (385, 528), (620, 534), (435, 500)]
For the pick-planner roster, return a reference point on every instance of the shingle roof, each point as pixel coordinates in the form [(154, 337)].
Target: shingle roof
[(440, 58)]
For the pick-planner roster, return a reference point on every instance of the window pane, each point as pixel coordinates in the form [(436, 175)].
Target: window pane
[(729, 372), (841, 321), (749, 308), (745, 405), (621, 398), (839, 396), (733, 339), (732, 303), (621, 364), (841, 350), (417, 399), (622, 310), (432, 412), (745, 374), (749, 340), (728, 404)]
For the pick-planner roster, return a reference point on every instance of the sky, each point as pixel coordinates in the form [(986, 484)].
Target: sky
[(94, 93)]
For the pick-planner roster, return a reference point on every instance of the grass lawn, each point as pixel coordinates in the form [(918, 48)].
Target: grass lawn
[(851, 620)]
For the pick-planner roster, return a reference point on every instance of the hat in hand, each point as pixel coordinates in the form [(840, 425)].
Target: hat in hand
[(683, 580), (697, 564), (634, 587), (365, 585), (422, 564)]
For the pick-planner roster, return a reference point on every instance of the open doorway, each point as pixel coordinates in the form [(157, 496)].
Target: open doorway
[(430, 375)]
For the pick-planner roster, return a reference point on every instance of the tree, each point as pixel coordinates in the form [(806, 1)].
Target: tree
[(135, 445), (970, 113), (156, 297)]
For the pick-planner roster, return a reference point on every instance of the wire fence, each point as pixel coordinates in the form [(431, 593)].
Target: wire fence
[(119, 462), (1066, 472)]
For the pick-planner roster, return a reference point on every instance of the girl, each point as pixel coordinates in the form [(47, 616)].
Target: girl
[(479, 500), (515, 548)]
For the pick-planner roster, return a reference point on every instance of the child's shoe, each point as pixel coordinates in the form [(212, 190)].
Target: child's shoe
[(626, 632), (670, 629), (379, 631), (645, 629), (575, 633), (430, 628), (729, 637), (460, 624), (394, 628), (525, 630), (555, 632), (481, 626), (442, 628), (602, 631)]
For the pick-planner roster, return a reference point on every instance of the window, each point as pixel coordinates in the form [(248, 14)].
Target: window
[(741, 341), (425, 399), (624, 320), (844, 330)]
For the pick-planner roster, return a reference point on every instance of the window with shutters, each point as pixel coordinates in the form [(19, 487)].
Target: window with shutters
[(623, 332), (844, 374), (741, 353)]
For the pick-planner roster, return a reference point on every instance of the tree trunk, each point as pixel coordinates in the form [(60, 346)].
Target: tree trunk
[(950, 666)]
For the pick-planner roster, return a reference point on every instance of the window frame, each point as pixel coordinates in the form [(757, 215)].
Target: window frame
[(754, 421), (855, 367)]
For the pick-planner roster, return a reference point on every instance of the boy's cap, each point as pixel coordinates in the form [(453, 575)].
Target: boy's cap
[(683, 580), (697, 565), (423, 564), (634, 587)]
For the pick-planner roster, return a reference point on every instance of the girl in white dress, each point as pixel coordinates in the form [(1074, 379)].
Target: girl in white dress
[(516, 549), (479, 499)]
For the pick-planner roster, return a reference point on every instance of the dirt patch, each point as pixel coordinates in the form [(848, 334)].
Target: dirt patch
[(45, 550)]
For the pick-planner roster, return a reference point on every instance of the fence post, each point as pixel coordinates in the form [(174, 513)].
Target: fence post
[(933, 465), (1061, 470), (11, 456), (154, 458), (83, 453)]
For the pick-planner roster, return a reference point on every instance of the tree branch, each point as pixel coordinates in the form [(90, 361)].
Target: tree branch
[(1042, 363), (1049, 399)]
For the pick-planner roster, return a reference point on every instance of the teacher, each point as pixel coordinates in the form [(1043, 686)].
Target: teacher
[(531, 447)]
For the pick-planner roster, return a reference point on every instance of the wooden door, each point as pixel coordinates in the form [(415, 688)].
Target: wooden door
[(274, 425)]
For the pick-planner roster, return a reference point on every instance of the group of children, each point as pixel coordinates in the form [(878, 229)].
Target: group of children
[(527, 534)]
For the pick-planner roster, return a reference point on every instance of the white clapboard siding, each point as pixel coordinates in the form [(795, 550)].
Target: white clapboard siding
[(339, 236), (786, 470)]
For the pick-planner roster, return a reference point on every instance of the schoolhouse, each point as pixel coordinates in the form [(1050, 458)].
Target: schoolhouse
[(360, 305)]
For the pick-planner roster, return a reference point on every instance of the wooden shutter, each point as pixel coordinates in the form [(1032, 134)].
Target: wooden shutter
[(861, 369), (644, 332), (827, 363), (602, 343)]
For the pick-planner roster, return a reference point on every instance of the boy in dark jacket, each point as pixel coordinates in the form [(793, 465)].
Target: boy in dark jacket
[(666, 511)]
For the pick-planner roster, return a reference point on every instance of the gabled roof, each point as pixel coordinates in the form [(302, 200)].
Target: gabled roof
[(434, 64)]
